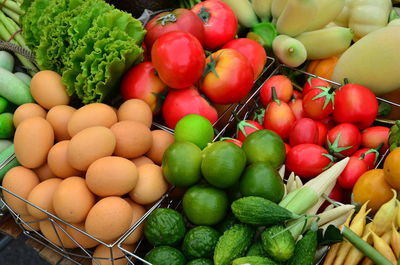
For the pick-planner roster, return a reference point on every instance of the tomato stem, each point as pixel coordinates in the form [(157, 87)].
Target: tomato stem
[(167, 18), (275, 96), (204, 14), (346, 81)]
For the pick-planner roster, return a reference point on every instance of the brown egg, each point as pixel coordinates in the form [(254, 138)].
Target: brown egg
[(48, 90), (80, 238), (133, 138), (102, 255), (161, 141), (57, 159), (42, 196), (111, 176), (55, 233), (95, 114), (73, 200), (28, 110), (150, 186), (21, 182), (44, 172), (58, 117), (135, 110), (142, 160), (89, 145), (138, 212), (109, 218), (32, 141), (29, 223)]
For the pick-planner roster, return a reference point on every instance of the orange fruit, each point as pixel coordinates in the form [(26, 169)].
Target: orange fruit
[(392, 169), (372, 186)]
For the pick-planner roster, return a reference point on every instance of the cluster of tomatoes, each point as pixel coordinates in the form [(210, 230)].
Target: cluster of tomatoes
[(178, 78), (321, 125)]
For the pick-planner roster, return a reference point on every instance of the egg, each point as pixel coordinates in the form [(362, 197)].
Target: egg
[(44, 172), (58, 117), (21, 182), (48, 90), (161, 141), (150, 185), (135, 110), (55, 233), (138, 212), (80, 238), (57, 160), (95, 114), (72, 200), (109, 218), (29, 223), (141, 160), (104, 255), (89, 145), (111, 176), (133, 138), (42, 196), (32, 141), (28, 110)]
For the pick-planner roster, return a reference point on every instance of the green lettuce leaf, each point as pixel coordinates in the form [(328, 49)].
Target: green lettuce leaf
[(29, 22)]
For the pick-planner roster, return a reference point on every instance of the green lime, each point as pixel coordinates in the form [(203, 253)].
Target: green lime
[(200, 262), (223, 163), (195, 129), (204, 204), (7, 128), (261, 179), (181, 164), (164, 226), (165, 255), (264, 146), (3, 104), (199, 242)]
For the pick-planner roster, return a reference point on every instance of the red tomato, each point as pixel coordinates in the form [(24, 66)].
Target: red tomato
[(372, 137), (297, 94), (279, 118), (313, 82), (245, 128), (356, 104), (141, 82), (370, 156), (180, 103), (343, 140), (352, 172), (229, 79), (252, 50), (178, 58), (308, 160), (329, 122), (220, 23), (283, 87), (318, 102), (179, 19), (304, 131), (232, 140), (322, 132), (287, 148), (146, 55), (297, 107)]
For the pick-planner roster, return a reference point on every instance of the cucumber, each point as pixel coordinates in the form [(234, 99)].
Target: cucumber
[(233, 244), (253, 260), (6, 61), (24, 77), (13, 89), (305, 250), (7, 161), (278, 243), (256, 249), (259, 211)]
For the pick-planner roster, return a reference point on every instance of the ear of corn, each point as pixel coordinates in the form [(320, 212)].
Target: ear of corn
[(291, 184), (330, 215), (282, 171), (395, 241), (382, 247), (338, 221), (385, 216), (333, 250)]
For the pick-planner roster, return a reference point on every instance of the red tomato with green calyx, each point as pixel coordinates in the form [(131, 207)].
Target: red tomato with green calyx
[(179, 19), (370, 156), (297, 107), (178, 58), (220, 23), (142, 82), (355, 104), (282, 85), (232, 140), (252, 50), (180, 103), (304, 131), (313, 82), (228, 77), (343, 140), (245, 128), (352, 172), (322, 132), (308, 160), (297, 95), (318, 102), (372, 137)]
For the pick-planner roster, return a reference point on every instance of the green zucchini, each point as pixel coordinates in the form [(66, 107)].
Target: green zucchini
[(233, 244), (23, 77), (259, 211), (13, 89), (278, 243), (253, 260), (305, 250), (6, 61)]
